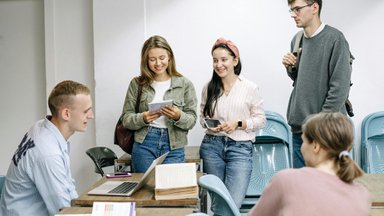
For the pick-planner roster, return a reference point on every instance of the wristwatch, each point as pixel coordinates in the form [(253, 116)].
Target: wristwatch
[(239, 124)]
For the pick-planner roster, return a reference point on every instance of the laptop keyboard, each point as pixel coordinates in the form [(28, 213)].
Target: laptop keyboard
[(124, 187)]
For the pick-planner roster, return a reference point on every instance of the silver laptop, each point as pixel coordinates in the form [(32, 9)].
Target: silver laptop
[(127, 188)]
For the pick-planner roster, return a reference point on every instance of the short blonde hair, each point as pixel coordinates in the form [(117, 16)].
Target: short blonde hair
[(62, 92)]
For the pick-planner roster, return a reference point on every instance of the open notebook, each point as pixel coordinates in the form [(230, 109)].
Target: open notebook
[(127, 188)]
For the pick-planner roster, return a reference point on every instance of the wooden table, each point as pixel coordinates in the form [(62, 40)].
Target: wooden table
[(143, 197), (377, 212), (139, 211), (375, 185), (192, 155)]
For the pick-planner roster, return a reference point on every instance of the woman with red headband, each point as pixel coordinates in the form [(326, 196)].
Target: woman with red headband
[(226, 149)]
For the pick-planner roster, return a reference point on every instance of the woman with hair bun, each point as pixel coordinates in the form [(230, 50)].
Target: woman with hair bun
[(325, 186)]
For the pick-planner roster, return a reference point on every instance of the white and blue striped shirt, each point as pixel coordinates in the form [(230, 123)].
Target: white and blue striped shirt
[(242, 103), (39, 180)]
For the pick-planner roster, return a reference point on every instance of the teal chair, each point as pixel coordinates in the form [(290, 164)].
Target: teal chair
[(271, 153), (220, 197), (2, 179), (372, 143)]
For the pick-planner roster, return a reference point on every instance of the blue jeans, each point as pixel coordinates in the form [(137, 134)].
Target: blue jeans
[(231, 161), (298, 160), (154, 145)]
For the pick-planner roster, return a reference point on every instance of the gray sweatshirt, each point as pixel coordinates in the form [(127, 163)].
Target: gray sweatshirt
[(323, 78)]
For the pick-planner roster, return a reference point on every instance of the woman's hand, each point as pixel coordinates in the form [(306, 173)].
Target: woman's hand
[(228, 127), (215, 130), (171, 112), (149, 117)]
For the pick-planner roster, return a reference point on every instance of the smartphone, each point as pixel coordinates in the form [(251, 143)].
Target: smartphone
[(211, 123), (118, 175)]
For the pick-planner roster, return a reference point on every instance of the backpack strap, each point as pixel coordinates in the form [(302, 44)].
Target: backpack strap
[(292, 69), (297, 45)]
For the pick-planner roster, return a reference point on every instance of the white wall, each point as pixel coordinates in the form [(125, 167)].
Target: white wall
[(262, 30), (69, 55), (116, 26), (41, 44), (22, 80), (99, 42)]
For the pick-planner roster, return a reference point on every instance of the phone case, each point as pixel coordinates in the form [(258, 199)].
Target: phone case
[(211, 123)]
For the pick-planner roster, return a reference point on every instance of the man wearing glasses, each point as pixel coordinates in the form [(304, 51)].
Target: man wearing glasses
[(321, 70)]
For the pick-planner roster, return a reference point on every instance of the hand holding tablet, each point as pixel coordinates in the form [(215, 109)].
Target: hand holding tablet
[(156, 106)]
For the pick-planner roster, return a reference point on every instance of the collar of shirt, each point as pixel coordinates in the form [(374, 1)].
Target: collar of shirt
[(241, 78), (321, 27), (64, 145)]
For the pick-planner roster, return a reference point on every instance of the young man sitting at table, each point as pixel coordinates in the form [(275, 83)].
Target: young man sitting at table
[(39, 180)]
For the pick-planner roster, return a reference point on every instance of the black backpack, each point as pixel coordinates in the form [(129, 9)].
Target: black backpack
[(292, 70)]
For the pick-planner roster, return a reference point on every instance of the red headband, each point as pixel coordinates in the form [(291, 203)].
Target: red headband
[(229, 44)]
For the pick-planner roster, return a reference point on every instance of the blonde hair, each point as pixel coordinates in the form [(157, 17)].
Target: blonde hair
[(61, 94), (334, 132), (156, 41)]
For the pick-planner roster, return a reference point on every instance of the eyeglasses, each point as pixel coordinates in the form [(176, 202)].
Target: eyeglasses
[(297, 9)]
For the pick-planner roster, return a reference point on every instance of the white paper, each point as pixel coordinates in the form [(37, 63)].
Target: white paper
[(176, 175), (113, 209), (73, 215), (156, 106)]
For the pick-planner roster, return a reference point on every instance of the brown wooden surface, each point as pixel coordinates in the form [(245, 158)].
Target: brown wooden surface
[(139, 211), (143, 197), (377, 212), (192, 155), (375, 184)]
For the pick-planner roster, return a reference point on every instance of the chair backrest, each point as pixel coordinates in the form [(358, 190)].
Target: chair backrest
[(372, 125), (2, 179), (220, 197), (102, 157), (276, 128), (276, 131), (271, 153), (268, 159), (372, 143)]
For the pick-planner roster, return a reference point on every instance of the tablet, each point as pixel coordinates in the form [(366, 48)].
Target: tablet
[(211, 123), (156, 106)]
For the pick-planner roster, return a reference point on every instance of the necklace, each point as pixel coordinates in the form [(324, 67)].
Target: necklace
[(228, 89)]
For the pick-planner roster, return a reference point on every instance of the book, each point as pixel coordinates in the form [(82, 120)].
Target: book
[(113, 209), (156, 106), (176, 181)]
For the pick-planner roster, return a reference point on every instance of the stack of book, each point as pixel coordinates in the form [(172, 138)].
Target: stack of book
[(176, 181)]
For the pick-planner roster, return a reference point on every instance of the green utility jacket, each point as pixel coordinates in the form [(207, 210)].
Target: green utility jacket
[(183, 94)]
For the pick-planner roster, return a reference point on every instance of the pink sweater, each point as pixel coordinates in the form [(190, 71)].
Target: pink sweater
[(311, 192)]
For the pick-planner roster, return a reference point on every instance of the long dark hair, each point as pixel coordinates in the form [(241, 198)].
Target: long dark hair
[(215, 86)]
